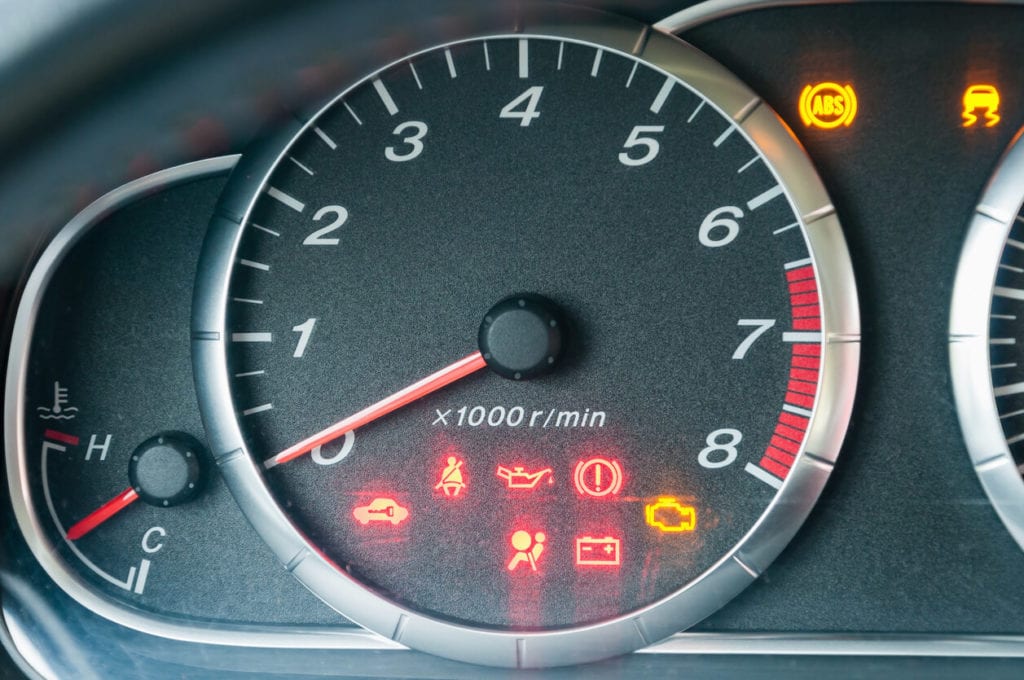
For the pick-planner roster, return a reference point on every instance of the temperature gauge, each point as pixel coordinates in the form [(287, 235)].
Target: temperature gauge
[(111, 483)]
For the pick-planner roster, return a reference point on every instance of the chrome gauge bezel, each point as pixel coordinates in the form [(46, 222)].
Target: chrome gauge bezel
[(970, 365), (705, 594)]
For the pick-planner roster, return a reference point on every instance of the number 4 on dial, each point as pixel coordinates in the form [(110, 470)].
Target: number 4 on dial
[(529, 101)]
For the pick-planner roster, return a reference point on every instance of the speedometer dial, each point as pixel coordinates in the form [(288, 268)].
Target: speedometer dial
[(530, 349), (985, 348)]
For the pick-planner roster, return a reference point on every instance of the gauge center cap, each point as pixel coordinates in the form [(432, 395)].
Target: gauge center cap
[(165, 470), (521, 337)]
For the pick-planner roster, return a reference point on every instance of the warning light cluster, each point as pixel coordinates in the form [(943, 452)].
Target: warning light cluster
[(596, 477), (830, 105)]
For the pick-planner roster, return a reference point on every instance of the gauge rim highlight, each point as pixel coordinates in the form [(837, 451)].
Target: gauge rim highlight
[(639, 628), (969, 335), (24, 502)]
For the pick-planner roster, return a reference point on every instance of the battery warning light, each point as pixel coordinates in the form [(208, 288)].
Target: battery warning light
[(981, 101), (598, 552), (670, 516), (828, 105)]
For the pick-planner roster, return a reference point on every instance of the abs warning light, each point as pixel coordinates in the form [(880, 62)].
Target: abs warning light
[(828, 105), (670, 516)]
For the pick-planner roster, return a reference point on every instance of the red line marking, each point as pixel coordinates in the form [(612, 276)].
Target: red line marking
[(804, 298), (807, 350), (789, 433), (780, 456), (102, 514), (807, 324), (793, 420), (803, 374), (806, 362), (808, 286), (785, 445), (800, 274), (776, 469), (61, 437), (802, 387), (806, 310), (801, 400)]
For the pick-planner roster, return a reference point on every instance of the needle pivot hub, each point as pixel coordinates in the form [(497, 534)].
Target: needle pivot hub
[(165, 470), (522, 336)]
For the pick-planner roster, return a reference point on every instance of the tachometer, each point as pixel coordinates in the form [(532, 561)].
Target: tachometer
[(530, 349)]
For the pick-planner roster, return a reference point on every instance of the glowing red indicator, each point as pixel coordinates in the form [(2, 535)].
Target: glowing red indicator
[(528, 547), (598, 477), (381, 510), (452, 480), (670, 516), (598, 552), (519, 478)]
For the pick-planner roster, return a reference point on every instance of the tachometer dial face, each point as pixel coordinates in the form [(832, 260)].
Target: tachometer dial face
[(527, 335), (986, 353)]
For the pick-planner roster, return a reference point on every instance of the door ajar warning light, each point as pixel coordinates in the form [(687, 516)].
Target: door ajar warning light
[(828, 106), (670, 516)]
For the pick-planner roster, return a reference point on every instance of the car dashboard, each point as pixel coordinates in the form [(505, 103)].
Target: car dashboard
[(665, 338)]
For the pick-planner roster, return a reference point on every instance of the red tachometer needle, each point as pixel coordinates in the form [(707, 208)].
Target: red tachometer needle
[(102, 514), (446, 376)]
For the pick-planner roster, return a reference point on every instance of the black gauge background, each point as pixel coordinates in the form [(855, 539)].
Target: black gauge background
[(489, 209), (904, 539), (113, 330)]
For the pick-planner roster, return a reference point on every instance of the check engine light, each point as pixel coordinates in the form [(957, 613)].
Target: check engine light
[(828, 106), (670, 516)]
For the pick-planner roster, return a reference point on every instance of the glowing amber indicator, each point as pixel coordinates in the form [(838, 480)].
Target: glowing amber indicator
[(452, 479), (670, 516), (528, 548), (598, 477), (381, 510), (598, 552), (828, 105), (981, 101)]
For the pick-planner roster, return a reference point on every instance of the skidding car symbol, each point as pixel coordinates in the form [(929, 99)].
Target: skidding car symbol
[(381, 510)]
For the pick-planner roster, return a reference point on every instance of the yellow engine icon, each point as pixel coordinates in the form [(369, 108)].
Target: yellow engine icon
[(828, 105), (983, 99)]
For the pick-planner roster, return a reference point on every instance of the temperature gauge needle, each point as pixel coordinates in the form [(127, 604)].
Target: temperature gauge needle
[(432, 383), (102, 514)]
